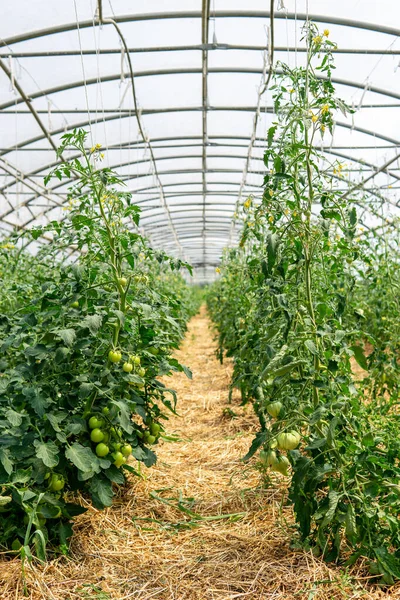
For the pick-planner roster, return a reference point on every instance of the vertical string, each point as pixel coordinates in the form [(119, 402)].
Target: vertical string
[(83, 73)]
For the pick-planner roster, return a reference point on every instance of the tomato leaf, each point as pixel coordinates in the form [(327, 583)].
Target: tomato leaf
[(83, 458), (47, 452), (360, 357), (102, 492)]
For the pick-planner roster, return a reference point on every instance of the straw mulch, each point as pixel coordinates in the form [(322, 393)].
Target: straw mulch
[(200, 526)]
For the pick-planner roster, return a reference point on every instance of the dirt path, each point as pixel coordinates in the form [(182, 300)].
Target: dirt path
[(200, 526)]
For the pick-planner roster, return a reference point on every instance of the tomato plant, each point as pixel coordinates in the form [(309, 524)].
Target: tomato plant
[(67, 404), (290, 308)]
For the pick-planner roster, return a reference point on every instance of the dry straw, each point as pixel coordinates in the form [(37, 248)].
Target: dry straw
[(200, 525)]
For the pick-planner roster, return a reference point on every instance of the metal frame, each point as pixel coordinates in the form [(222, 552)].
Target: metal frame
[(180, 224)]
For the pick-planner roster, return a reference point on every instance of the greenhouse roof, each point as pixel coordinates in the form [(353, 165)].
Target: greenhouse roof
[(188, 142)]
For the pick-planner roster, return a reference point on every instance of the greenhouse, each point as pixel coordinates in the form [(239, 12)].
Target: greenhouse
[(200, 314)]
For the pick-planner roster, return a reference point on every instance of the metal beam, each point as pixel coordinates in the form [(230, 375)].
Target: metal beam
[(136, 18), (205, 20), (195, 47), (182, 71)]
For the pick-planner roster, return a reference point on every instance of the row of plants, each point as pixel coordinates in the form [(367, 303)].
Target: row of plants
[(87, 328), (306, 296)]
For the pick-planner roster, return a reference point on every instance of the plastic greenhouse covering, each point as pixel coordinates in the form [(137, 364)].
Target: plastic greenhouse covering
[(189, 140)]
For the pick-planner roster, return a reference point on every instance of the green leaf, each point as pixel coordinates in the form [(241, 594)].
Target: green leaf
[(101, 491), (35, 398), (85, 389), (124, 416), (39, 351), (360, 357), (13, 417), (92, 322), (61, 354), (334, 498), (350, 523), (47, 452), (68, 336), (115, 475), (309, 344), (272, 249), (6, 461), (388, 561), (83, 458), (261, 438)]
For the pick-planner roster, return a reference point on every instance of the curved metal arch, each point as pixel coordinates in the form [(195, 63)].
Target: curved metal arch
[(345, 125), (65, 27), (338, 123), (179, 71)]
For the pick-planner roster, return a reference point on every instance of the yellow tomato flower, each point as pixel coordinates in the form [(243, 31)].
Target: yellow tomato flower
[(271, 219), (325, 109), (247, 204), (314, 118), (98, 146), (271, 192), (218, 270), (326, 32), (323, 128), (317, 40)]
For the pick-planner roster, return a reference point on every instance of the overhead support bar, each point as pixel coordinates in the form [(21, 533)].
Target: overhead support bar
[(196, 47), (182, 71), (222, 14)]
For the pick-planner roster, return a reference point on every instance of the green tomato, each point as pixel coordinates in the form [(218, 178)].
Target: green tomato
[(268, 458), (152, 350), (123, 281), (117, 446), (105, 410), (106, 437), (281, 465), (289, 440), (102, 450), (150, 439), (95, 422), (75, 304), (56, 482), (274, 409), (118, 459), (127, 367), (97, 435), (142, 372), (114, 356), (126, 450), (135, 359), (155, 429)]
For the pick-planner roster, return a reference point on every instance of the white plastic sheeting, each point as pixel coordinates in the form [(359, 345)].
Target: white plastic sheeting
[(73, 73)]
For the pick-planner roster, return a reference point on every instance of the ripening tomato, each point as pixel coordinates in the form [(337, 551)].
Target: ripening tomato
[(281, 465), (288, 440), (114, 356), (274, 408)]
